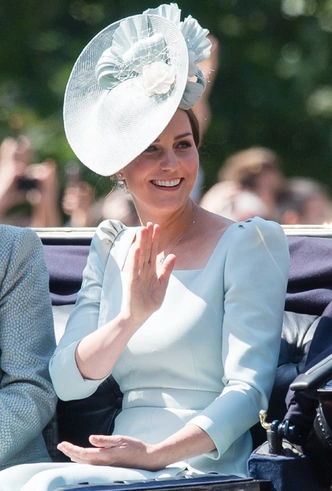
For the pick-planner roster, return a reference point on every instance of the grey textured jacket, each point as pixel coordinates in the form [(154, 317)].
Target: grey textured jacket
[(27, 399)]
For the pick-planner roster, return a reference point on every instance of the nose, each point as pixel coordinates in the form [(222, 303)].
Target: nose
[(169, 160)]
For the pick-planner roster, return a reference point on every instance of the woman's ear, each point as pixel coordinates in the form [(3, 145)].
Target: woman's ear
[(120, 175)]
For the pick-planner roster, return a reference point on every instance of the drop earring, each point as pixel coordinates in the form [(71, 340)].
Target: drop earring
[(120, 183)]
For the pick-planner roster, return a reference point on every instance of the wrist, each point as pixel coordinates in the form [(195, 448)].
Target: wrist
[(156, 457), (129, 321), (5, 203)]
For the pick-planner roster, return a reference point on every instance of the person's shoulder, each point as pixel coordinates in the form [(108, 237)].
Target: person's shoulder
[(9, 231), (258, 233), (250, 227), (258, 243), (258, 225), (108, 230), (103, 239), (105, 235), (18, 238), (20, 250)]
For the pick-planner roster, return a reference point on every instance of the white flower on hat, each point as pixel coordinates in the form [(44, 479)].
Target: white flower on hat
[(137, 51), (158, 78), (198, 46)]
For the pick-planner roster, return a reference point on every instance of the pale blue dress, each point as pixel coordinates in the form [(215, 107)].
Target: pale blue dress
[(208, 356)]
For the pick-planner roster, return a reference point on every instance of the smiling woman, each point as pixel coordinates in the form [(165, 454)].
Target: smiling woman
[(185, 310), (161, 178)]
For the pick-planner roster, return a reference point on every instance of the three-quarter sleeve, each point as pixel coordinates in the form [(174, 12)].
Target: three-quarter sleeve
[(255, 282), (84, 319)]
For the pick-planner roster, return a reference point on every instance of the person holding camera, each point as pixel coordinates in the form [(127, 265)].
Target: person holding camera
[(29, 193)]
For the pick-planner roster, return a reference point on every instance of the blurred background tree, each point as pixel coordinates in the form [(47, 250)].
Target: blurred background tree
[(273, 87)]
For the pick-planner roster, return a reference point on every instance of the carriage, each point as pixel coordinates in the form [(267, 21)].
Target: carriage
[(275, 465)]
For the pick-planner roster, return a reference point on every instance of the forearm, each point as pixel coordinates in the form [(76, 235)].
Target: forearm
[(46, 216), (7, 201), (122, 451), (88, 352), (186, 443), (97, 353)]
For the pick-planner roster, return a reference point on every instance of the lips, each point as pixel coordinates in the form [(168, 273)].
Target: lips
[(167, 184)]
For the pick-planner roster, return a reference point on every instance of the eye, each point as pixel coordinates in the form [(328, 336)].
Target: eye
[(151, 148), (184, 144)]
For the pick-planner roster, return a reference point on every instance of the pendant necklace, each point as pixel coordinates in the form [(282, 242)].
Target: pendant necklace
[(162, 260)]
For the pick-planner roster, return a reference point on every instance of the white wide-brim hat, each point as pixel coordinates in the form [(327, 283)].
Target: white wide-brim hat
[(124, 89)]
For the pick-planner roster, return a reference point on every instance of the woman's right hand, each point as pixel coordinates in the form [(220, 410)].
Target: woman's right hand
[(148, 278), (97, 353)]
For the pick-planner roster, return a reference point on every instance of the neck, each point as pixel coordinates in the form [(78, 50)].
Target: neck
[(172, 225)]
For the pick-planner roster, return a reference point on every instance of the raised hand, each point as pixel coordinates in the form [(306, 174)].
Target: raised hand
[(15, 156), (97, 353), (45, 197), (77, 202), (148, 278)]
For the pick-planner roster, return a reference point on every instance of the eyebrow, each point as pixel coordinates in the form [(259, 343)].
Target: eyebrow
[(178, 137)]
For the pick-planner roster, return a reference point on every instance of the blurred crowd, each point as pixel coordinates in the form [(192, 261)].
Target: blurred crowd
[(250, 183), (30, 193)]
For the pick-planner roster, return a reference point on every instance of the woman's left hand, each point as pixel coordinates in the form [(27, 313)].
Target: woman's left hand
[(115, 450)]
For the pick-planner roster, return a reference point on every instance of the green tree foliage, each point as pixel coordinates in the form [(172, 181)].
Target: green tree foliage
[(273, 87)]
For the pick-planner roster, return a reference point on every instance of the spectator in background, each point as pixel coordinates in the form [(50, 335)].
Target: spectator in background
[(29, 193), (226, 199), (79, 205), (255, 171), (121, 205), (304, 201), (84, 211)]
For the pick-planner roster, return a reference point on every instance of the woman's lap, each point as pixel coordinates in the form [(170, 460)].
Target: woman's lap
[(48, 477)]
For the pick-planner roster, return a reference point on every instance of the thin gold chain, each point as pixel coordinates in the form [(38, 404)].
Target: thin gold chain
[(162, 260)]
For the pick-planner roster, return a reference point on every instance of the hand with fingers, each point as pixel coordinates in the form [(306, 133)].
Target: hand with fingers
[(148, 278), (114, 450), (97, 353), (126, 451)]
